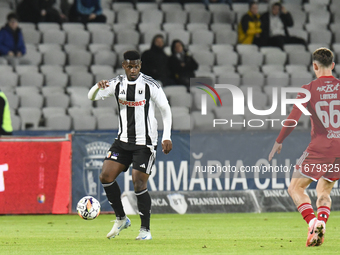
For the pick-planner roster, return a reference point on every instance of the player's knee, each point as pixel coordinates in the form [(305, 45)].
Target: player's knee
[(105, 177), (139, 185), (291, 189)]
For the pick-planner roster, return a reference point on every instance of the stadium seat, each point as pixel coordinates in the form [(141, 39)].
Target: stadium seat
[(96, 69), (312, 7), (3, 62), (178, 16), (75, 68), (46, 47), (81, 100), (229, 78), (58, 122), (181, 122), (107, 121), (219, 70), (300, 78), (30, 117), (81, 79), (246, 48), (50, 90), (99, 111), (181, 100), (98, 26), (110, 16), (78, 37), (298, 32), (27, 26), (191, 27), (102, 36), (140, 6), (164, 6), (217, 48), (79, 57), (123, 26), (16, 122), (215, 27), (105, 58), (205, 74), (267, 69), (10, 79), (320, 36), (146, 27), (223, 17), (57, 100), (79, 111), (108, 102), (54, 36), (31, 58), (293, 47), (68, 48), (242, 69), (118, 6), (20, 69), (31, 36), (277, 58), (299, 58), (198, 47), (13, 100), (194, 6), (255, 58), (202, 122), (31, 100), (202, 37), (31, 79), (226, 37), (128, 16), (296, 68), (21, 91), (127, 37), (97, 47), (199, 16), (143, 47), (45, 26), (253, 79), (85, 122), (227, 58), (70, 26), (174, 90), (167, 27), (56, 79), (314, 26), (184, 35), (314, 46), (153, 16), (278, 79)]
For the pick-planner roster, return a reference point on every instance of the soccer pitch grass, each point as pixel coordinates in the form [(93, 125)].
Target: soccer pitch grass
[(266, 233)]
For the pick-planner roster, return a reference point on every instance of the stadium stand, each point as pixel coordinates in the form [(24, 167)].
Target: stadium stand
[(64, 61)]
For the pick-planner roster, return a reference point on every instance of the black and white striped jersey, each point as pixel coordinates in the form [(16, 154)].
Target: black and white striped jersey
[(136, 105)]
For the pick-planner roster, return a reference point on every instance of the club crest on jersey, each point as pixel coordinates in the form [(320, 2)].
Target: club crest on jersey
[(329, 88), (140, 91)]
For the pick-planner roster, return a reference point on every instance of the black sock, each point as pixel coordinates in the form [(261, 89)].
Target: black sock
[(113, 195), (144, 208)]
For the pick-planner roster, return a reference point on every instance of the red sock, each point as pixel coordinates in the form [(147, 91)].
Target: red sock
[(323, 213), (307, 212)]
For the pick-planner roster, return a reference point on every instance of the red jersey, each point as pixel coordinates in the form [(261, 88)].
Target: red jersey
[(324, 106)]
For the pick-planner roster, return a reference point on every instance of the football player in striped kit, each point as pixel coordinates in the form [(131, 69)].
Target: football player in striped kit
[(137, 95)]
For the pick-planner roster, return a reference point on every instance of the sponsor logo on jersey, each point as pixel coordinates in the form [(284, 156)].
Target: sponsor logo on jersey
[(333, 134), (122, 92), (328, 96), (132, 103), (329, 88)]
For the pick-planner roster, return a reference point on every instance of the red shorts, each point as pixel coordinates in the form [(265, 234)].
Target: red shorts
[(314, 167)]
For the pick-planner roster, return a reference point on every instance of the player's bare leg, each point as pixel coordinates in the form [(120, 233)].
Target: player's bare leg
[(297, 191), (140, 180), (323, 203), (110, 171)]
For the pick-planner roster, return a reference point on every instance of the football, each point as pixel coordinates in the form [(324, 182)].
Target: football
[(88, 208)]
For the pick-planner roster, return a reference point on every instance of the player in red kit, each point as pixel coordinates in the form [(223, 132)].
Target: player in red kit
[(321, 160)]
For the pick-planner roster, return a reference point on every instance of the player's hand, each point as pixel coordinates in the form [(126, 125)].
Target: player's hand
[(166, 146), (283, 10), (276, 148), (10, 53), (103, 84), (92, 16)]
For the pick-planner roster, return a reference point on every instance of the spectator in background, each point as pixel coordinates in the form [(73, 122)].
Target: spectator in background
[(39, 11), (249, 29), (181, 64), (12, 44), (87, 11), (5, 116), (275, 27), (155, 61)]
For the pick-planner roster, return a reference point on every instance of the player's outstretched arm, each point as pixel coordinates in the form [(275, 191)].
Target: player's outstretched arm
[(93, 93), (277, 147)]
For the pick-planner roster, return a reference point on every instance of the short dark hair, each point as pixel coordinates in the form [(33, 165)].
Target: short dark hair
[(12, 15), (324, 56), (131, 55), (252, 3), (276, 4)]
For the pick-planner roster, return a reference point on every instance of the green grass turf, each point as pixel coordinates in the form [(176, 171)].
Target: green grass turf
[(267, 233)]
